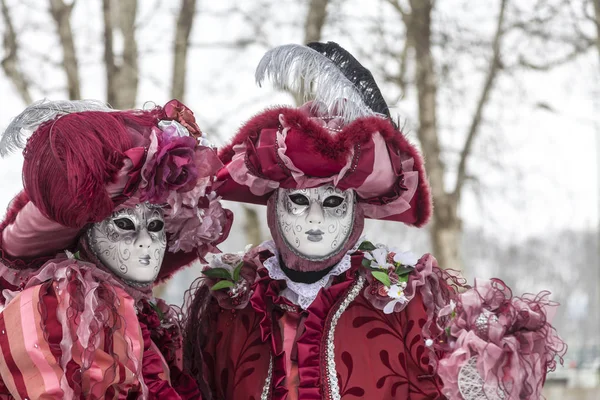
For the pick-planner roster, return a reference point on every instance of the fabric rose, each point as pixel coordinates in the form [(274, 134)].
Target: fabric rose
[(235, 294), (149, 315), (193, 228), (170, 165), (175, 110)]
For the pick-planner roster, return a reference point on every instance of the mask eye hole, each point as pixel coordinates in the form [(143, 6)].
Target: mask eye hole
[(333, 201), (299, 199), (125, 224), (156, 226)]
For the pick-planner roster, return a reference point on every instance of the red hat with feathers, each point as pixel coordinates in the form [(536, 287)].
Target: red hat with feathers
[(84, 160), (344, 136)]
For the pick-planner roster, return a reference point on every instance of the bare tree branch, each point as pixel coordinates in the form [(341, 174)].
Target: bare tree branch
[(61, 13), (597, 23), (493, 68), (10, 62), (396, 4), (185, 22), (581, 48), (121, 77), (237, 44), (109, 55), (128, 70)]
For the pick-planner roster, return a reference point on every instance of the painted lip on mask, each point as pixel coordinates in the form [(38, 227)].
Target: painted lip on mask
[(315, 235), (144, 260)]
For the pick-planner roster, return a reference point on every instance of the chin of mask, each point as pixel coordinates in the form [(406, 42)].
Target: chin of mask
[(131, 243), (315, 223)]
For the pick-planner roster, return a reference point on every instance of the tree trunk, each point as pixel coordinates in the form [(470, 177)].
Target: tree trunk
[(185, 22), (252, 226), (446, 229), (315, 20), (121, 78), (597, 21), (313, 26), (61, 13), (446, 225), (10, 62)]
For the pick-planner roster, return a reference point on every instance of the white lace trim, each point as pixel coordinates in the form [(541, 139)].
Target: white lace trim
[(303, 294), (472, 386)]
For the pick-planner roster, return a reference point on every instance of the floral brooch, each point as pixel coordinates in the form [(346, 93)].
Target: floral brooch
[(230, 281), (387, 273)]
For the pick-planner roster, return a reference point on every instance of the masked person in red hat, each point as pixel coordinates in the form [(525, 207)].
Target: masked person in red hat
[(318, 312), (113, 203)]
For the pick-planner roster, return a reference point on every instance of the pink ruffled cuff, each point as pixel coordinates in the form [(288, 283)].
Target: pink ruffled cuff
[(511, 338)]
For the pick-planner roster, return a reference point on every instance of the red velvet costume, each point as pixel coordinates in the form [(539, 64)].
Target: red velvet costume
[(272, 343)]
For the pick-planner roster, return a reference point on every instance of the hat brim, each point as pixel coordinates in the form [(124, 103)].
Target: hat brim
[(285, 148)]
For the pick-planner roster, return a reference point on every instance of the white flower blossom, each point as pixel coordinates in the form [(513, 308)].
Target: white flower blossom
[(406, 258), (452, 305), (378, 258), (246, 250), (217, 262), (397, 294)]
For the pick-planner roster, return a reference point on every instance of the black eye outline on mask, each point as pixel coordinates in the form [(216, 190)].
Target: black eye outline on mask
[(125, 224), (156, 226), (333, 201), (299, 199)]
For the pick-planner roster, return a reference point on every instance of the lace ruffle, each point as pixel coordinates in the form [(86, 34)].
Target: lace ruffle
[(303, 294)]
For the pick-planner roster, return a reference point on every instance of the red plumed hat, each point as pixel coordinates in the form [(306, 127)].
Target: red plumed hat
[(344, 136), (84, 160)]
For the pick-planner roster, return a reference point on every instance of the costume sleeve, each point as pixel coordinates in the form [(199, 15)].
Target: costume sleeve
[(32, 234), (489, 344), (53, 347)]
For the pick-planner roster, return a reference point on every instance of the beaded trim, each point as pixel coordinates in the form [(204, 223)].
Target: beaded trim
[(332, 381), (267, 387)]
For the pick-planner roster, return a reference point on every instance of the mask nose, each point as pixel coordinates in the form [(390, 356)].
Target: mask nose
[(143, 239), (315, 214)]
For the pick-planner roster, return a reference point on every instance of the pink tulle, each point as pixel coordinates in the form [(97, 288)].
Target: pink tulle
[(511, 337)]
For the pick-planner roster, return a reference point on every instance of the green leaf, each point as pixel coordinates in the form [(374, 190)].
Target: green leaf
[(403, 278), (161, 316), (366, 246), (382, 277), (222, 285), (217, 273), (401, 270), (366, 263), (237, 271), (447, 331), (77, 256)]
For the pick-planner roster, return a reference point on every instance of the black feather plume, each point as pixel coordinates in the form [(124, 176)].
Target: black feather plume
[(356, 73)]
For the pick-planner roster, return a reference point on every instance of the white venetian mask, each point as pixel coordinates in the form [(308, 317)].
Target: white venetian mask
[(131, 243), (315, 223)]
